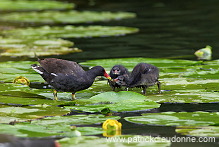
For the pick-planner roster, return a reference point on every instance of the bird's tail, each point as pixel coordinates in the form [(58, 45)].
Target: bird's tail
[(38, 69), (45, 75), (36, 56)]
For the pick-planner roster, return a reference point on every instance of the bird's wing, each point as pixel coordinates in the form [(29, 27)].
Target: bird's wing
[(53, 65), (143, 73)]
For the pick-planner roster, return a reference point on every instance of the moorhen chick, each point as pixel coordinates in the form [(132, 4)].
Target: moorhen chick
[(142, 76), (117, 70), (67, 76)]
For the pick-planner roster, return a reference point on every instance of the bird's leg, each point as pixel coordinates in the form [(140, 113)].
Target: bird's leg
[(73, 96), (159, 87), (144, 89), (55, 95)]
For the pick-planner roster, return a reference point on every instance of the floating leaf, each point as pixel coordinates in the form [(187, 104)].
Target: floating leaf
[(33, 130), (69, 32), (22, 95), (25, 130), (26, 113), (58, 125), (176, 119), (74, 120), (115, 101), (18, 98), (11, 5), (11, 69), (210, 131), (65, 16), (27, 47)]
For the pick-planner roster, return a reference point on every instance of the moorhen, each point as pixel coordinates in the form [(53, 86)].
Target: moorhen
[(67, 76), (142, 76), (116, 71)]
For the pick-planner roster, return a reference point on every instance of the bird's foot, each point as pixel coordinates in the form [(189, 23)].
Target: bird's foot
[(55, 95), (73, 97)]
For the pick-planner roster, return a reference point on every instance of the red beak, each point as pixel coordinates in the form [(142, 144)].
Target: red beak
[(107, 76)]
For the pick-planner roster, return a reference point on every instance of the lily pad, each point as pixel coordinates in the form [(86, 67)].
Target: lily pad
[(32, 130), (177, 119), (210, 131), (56, 126), (182, 81), (23, 99), (65, 17), (27, 113), (27, 47), (187, 90), (69, 32), (20, 103), (121, 141), (25, 130), (11, 69), (115, 101), (11, 5), (74, 120)]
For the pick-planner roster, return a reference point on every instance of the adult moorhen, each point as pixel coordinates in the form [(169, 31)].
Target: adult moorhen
[(67, 76), (117, 70), (142, 76)]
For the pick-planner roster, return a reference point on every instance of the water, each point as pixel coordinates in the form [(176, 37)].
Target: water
[(168, 29)]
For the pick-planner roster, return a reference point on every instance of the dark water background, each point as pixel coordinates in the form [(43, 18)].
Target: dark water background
[(168, 29)]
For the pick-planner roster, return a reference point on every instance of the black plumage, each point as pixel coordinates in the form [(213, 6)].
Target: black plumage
[(67, 76), (116, 71), (142, 76)]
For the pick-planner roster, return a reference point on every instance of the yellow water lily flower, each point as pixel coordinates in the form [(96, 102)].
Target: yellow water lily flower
[(112, 127), (21, 80)]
